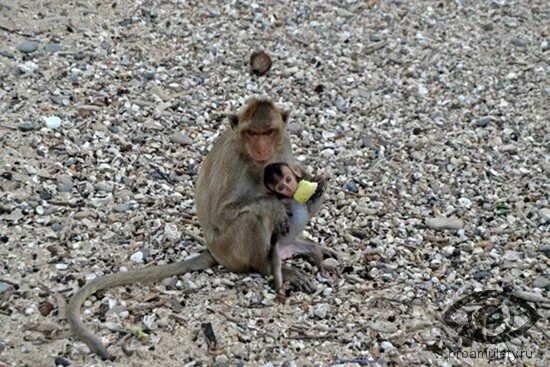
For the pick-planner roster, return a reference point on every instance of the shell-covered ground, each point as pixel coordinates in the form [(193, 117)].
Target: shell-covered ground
[(417, 110)]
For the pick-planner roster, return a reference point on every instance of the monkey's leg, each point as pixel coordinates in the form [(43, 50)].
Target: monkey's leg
[(276, 270), (297, 279), (311, 251), (151, 274)]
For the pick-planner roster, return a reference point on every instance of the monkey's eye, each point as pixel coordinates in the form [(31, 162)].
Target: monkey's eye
[(280, 187), (288, 179), (249, 133), (269, 132), (490, 316)]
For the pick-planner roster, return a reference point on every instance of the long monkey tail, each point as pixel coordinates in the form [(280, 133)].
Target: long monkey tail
[(151, 274)]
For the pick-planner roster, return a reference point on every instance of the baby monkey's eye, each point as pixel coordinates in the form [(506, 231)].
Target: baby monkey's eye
[(288, 179), (280, 187)]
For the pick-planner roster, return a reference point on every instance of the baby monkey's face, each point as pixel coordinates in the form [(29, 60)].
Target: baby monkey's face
[(287, 184)]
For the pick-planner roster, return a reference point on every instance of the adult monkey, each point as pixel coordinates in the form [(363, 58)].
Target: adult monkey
[(238, 218)]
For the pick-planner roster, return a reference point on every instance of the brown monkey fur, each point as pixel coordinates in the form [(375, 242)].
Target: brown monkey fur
[(238, 217)]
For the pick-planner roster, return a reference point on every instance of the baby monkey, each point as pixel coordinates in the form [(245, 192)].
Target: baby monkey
[(302, 199)]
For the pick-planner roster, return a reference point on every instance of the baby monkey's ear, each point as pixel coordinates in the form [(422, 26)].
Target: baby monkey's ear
[(296, 170)]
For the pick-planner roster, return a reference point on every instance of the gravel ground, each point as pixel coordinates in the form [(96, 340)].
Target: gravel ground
[(431, 118)]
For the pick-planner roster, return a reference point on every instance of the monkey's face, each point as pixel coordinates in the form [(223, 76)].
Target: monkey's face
[(286, 184), (261, 145)]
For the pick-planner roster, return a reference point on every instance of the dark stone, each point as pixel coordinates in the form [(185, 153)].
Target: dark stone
[(7, 54), (150, 74), (26, 126), (351, 186), (481, 274), (60, 361), (53, 47), (27, 47), (375, 37), (484, 121)]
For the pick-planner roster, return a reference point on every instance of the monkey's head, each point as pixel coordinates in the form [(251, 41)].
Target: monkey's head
[(260, 131), (280, 178)]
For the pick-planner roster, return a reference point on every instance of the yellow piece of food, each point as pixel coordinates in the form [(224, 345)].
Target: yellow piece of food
[(304, 191)]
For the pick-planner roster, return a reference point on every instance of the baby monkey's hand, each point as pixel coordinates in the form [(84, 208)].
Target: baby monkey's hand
[(322, 181)]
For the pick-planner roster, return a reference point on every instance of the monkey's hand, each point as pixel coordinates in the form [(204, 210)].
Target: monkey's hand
[(321, 188)]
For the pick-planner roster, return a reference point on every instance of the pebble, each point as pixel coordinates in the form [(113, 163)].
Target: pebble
[(222, 360), (545, 214), (52, 122), (321, 310), (28, 67), (122, 207), (181, 138), (375, 37), (481, 274), (64, 183), (171, 233), (4, 287), (52, 47), (27, 47), (484, 121), (511, 255), (465, 203), (124, 314), (60, 361), (387, 346), (61, 266), (351, 186), (88, 303), (7, 54), (104, 187), (39, 210), (539, 282), (149, 74), (137, 257), (442, 223), (25, 126)]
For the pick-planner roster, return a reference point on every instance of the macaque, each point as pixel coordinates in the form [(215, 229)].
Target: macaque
[(283, 181), (239, 218)]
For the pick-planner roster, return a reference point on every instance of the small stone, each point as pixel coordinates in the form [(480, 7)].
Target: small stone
[(545, 214), (64, 183), (4, 287), (171, 233), (45, 308), (511, 255), (52, 122), (327, 292), (137, 257), (52, 47), (7, 54), (481, 274), (56, 227), (27, 47), (28, 67), (149, 74), (375, 37), (181, 138), (25, 126), (124, 314), (327, 153), (351, 186), (87, 303), (122, 207), (341, 195), (442, 223), (386, 346), (484, 121), (541, 282), (222, 360), (330, 263), (321, 310), (39, 210), (60, 361), (104, 187), (61, 266), (465, 202)]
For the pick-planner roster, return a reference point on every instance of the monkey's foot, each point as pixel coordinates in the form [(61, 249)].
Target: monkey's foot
[(298, 280)]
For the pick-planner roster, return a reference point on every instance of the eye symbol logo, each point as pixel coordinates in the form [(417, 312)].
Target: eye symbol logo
[(490, 317)]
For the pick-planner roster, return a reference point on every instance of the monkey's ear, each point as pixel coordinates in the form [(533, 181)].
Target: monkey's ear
[(234, 121), (284, 115)]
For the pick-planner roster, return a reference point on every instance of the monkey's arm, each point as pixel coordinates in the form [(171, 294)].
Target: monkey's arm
[(315, 202)]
